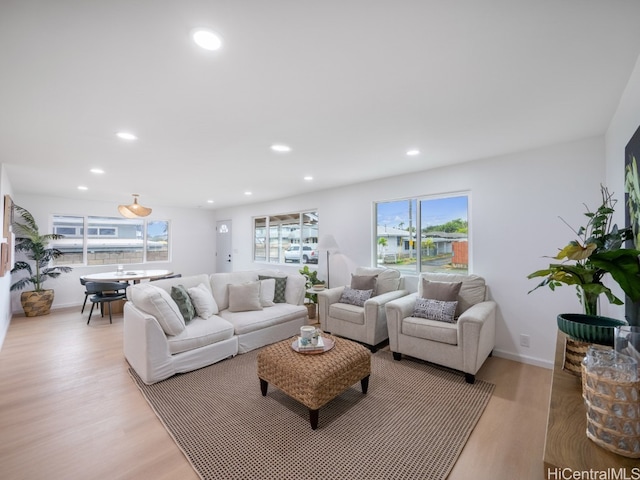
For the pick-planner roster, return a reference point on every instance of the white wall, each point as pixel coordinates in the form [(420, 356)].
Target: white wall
[(515, 204), (622, 127), (192, 241), (5, 282)]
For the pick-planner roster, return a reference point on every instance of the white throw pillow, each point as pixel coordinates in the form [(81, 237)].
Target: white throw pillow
[(244, 297), (157, 302), (203, 301), (267, 292)]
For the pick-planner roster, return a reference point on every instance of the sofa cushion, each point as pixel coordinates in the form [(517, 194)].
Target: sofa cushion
[(247, 322), (388, 279), (182, 299), (442, 332), (347, 313), (355, 297), (435, 309), (200, 332), (363, 282), (444, 291), (203, 301), (281, 286), (267, 292), (244, 297), (157, 302)]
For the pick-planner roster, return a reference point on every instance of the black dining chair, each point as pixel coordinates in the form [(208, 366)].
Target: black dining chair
[(83, 282), (105, 292)]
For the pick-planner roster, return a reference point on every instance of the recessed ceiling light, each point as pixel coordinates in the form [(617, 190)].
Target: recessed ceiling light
[(97, 170), (278, 147), (126, 136), (308, 178), (248, 193), (82, 187), (206, 39), (413, 153), (209, 201)]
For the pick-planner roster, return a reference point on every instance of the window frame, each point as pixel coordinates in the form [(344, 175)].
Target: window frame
[(84, 226), (418, 268), (266, 239)]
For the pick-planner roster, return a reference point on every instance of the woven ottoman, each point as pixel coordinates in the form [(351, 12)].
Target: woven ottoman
[(314, 379)]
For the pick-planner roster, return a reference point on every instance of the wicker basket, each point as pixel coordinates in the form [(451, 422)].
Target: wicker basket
[(613, 413)]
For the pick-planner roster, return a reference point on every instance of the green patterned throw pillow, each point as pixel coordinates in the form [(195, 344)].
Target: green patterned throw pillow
[(281, 285), (182, 299)]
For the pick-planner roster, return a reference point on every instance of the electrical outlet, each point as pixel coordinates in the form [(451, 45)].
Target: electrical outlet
[(524, 340)]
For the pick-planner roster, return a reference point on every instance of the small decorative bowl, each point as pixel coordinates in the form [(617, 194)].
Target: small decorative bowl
[(319, 287), (589, 328)]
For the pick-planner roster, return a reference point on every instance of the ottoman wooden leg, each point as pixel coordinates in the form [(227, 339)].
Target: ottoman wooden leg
[(313, 418), (364, 383), (263, 387)]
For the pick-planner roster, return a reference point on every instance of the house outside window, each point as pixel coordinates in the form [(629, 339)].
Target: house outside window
[(286, 238), (110, 240), (425, 234)]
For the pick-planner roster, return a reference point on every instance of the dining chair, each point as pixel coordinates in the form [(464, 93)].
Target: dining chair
[(105, 292), (83, 282)]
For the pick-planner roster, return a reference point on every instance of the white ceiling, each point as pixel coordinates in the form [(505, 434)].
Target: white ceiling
[(349, 85)]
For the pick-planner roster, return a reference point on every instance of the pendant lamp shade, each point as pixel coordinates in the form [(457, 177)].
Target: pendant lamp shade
[(134, 210)]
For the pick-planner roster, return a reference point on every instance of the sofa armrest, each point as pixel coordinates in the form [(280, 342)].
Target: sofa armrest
[(375, 306), (476, 334), (326, 298), (396, 311)]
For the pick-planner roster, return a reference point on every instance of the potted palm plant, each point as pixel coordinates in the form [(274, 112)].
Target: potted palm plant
[(35, 247)]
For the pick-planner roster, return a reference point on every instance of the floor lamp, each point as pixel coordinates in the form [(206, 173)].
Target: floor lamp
[(329, 244)]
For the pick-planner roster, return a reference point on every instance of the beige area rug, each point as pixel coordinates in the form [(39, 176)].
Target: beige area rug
[(412, 423)]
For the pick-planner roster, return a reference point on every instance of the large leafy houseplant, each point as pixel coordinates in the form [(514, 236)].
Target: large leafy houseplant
[(596, 252), (35, 247)]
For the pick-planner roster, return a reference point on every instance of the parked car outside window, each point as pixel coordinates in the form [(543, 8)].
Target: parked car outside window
[(309, 254)]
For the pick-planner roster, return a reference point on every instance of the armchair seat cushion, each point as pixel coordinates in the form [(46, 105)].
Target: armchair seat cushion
[(347, 313), (430, 330)]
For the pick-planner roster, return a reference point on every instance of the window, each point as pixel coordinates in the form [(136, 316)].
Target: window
[(277, 238), (442, 244), (110, 240)]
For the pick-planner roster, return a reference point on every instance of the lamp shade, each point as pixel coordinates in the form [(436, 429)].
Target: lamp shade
[(328, 243), (134, 210)]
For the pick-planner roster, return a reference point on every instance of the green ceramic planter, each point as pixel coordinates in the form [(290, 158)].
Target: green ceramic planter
[(589, 328)]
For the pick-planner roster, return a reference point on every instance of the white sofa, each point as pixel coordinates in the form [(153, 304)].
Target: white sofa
[(158, 343), (462, 345)]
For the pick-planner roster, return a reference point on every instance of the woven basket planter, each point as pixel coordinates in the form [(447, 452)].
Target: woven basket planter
[(613, 413), (35, 303)]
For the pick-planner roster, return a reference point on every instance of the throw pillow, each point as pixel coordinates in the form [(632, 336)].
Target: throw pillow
[(355, 297), (203, 301), (443, 291), (244, 297), (435, 310), (157, 302), (281, 285), (363, 282), (267, 292), (182, 299)]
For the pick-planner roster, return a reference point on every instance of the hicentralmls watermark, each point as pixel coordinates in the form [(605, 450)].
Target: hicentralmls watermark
[(606, 474)]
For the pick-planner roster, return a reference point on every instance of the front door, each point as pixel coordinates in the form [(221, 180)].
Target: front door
[(223, 247)]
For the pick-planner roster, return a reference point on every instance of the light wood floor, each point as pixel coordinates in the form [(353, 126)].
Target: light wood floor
[(69, 410)]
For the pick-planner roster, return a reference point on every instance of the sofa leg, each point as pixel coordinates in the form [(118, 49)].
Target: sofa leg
[(470, 378), (397, 356)]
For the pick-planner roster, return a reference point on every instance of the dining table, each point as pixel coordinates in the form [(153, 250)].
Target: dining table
[(134, 276)]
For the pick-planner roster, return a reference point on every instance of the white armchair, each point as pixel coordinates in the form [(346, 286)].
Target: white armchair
[(463, 345), (365, 324)]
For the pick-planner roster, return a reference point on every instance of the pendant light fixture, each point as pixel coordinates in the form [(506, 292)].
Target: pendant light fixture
[(134, 210)]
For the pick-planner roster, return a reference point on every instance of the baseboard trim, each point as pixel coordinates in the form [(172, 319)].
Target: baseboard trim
[(524, 359)]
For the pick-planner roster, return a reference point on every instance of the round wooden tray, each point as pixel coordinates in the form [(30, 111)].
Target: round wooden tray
[(328, 345)]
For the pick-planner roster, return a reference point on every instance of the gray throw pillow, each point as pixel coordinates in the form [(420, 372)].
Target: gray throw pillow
[(182, 299), (355, 297), (443, 291), (364, 282), (435, 310)]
